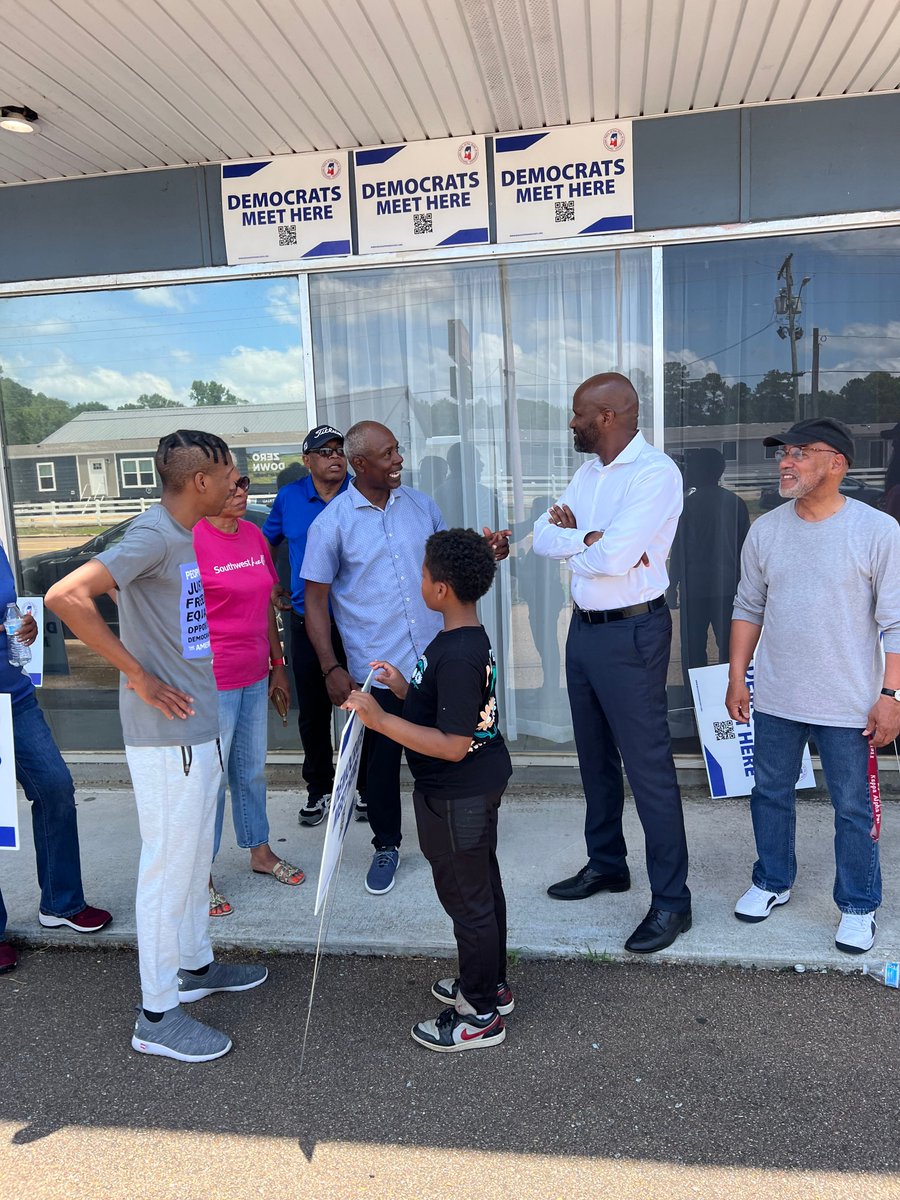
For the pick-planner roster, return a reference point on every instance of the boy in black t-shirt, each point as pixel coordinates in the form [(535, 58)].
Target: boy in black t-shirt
[(461, 767)]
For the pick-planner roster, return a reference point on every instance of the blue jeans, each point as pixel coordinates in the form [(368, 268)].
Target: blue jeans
[(47, 784), (243, 735), (773, 807)]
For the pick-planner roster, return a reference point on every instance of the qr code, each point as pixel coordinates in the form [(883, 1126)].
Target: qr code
[(287, 235), (423, 223), (724, 730), (565, 210)]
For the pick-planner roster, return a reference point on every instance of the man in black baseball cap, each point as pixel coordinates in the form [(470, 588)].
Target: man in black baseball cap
[(321, 436), (822, 574), (817, 429), (295, 508)]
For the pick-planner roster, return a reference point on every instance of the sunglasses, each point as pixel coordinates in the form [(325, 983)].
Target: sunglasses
[(242, 484), (327, 452)]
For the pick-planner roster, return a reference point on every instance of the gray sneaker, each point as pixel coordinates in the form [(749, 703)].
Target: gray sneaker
[(221, 977), (178, 1036)]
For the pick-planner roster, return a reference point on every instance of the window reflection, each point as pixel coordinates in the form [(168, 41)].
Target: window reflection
[(88, 384), (759, 334)]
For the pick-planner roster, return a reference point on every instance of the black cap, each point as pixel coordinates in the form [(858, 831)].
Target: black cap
[(320, 436), (892, 435), (817, 429)]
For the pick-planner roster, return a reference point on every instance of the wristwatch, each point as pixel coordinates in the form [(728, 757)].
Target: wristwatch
[(895, 695)]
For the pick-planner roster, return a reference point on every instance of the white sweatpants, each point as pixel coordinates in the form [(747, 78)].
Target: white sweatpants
[(176, 813)]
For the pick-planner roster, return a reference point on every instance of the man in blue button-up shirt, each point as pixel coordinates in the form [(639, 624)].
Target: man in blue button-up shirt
[(296, 507), (365, 552)]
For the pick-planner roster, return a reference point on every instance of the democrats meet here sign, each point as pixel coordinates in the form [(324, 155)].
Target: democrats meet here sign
[(288, 207), (563, 183), (421, 195)]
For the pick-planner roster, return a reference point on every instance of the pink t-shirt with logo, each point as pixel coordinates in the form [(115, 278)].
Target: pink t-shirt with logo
[(238, 576)]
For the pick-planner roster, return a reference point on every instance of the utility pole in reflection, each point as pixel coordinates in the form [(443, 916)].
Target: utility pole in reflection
[(789, 305)]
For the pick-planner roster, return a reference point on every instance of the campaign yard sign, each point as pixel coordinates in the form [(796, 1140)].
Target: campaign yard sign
[(288, 207), (421, 195), (561, 183), (9, 809), (728, 746), (340, 811)]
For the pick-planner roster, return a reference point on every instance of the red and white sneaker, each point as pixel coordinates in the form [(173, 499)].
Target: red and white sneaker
[(448, 991), (89, 920), (452, 1031)]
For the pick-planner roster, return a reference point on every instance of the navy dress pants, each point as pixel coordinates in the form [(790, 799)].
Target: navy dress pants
[(616, 678)]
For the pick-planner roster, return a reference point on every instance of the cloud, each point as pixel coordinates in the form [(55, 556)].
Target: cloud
[(173, 298), (264, 376), (282, 304), (182, 356), (66, 381)]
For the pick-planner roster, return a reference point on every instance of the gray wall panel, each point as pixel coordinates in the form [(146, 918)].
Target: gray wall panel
[(141, 222), (829, 157), (707, 168), (687, 170)]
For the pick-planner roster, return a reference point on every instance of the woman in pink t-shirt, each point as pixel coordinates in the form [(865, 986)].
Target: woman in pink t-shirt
[(248, 664)]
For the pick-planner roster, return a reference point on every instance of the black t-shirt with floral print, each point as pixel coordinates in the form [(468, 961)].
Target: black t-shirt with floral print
[(453, 689)]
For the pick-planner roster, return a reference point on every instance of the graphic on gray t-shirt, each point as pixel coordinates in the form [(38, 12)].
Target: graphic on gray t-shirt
[(162, 622)]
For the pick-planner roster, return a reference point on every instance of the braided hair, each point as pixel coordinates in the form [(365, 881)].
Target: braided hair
[(181, 454)]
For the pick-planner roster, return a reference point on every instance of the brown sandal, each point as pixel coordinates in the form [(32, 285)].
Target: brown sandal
[(284, 873)]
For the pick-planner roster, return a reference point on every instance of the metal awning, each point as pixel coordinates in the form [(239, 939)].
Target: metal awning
[(128, 85)]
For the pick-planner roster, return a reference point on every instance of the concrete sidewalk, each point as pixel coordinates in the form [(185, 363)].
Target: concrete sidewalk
[(540, 841)]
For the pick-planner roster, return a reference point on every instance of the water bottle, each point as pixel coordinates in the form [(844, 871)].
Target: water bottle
[(886, 973), (19, 653)]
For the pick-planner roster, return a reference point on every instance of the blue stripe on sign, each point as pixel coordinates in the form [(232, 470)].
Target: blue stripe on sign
[(522, 141), (326, 249), (371, 158), (610, 225), (465, 237), (716, 774), (7, 835), (242, 170)]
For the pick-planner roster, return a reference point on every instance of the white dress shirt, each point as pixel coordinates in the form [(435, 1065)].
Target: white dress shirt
[(636, 501)]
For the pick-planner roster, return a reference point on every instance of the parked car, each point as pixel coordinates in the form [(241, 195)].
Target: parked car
[(41, 571), (769, 498)]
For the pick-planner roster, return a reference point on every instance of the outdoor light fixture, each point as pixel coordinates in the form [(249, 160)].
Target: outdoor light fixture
[(18, 119)]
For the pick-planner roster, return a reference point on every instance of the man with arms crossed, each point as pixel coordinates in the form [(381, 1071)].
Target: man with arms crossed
[(296, 506), (823, 574), (169, 710), (614, 525)]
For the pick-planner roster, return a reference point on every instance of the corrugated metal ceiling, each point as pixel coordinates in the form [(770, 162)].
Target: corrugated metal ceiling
[(124, 85)]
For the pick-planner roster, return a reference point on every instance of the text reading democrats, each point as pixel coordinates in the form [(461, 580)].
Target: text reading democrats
[(272, 208), (566, 181), (428, 192)]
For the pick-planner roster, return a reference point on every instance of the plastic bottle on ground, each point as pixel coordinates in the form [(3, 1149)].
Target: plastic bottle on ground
[(19, 653), (886, 973)]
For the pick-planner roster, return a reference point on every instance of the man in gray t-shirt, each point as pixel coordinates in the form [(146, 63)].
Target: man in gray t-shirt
[(822, 573), (169, 710)]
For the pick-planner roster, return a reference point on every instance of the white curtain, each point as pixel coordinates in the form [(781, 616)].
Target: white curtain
[(473, 367)]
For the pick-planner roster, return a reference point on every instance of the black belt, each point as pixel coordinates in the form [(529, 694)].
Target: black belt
[(595, 616)]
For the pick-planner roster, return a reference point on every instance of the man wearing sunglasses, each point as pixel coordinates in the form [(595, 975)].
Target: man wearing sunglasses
[(823, 574), (296, 507)]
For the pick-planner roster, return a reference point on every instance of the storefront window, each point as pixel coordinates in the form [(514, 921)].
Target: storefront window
[(760, 334), (473, 368), (89, 382)]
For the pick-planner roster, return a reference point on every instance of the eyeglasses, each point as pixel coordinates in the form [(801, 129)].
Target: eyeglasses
[(328, 452), (800, 453), (242, 484)]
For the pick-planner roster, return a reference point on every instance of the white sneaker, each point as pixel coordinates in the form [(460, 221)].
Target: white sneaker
[(856, 933), (756, 904)]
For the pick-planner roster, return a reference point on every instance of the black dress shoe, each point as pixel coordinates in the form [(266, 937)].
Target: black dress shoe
[(588, 882), (658, 930)]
